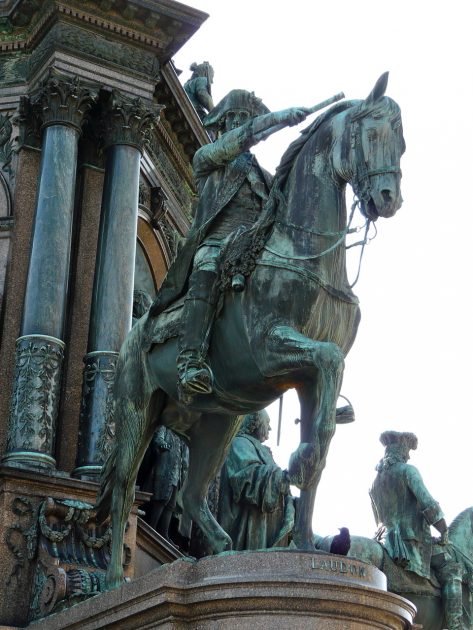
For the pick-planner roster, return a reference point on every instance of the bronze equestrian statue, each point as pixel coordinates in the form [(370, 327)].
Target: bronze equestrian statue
[(285, 318)]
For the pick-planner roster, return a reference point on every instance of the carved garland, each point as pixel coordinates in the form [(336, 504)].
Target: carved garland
[(21, 539), (35, 396)]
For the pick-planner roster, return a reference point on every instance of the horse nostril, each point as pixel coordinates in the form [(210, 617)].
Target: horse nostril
[(387, 196)]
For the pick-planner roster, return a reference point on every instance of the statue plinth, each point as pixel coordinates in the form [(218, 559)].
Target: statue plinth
[(249, 590)]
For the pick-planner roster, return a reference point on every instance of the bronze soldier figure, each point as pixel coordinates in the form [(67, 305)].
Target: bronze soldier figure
[(232, 191), (404, 511)]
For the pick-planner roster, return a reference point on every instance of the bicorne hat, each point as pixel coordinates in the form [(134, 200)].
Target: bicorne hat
[(235, 100)]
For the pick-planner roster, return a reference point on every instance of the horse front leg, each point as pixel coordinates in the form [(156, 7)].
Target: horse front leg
[(308, 462), (210, 438), (318, 367)]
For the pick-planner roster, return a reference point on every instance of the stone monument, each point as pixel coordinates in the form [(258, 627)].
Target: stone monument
[(96, 141), (102, 158), (223, 336)]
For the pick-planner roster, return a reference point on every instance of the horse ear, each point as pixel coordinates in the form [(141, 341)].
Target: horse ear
[(379, 89)]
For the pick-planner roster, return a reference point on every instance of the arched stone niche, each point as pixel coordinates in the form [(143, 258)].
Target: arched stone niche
[(5, 232), (151, 261), (5, 200)]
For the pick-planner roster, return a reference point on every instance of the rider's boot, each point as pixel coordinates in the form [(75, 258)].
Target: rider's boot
[(195, 375), (450, 576)]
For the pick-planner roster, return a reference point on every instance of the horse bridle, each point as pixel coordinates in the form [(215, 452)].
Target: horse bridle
[(361, 180)]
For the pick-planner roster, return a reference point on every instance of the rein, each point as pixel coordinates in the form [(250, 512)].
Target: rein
[(341, 234)]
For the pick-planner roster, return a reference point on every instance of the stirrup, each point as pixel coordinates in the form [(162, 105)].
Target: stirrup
[(195, 377)]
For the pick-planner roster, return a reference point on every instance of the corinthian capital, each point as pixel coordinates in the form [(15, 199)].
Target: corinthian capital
[(63, 100), (129, 121)]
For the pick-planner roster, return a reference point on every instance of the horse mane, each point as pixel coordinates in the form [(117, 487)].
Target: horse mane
[(384, 106), (458, 520), (295, 147)]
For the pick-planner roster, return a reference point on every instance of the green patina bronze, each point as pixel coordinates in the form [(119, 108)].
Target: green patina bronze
[(285, 316), (199, 88), (255, 504), (436, 574)]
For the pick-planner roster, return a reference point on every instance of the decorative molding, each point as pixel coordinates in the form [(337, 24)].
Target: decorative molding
[(6, 143), (96, 47), (96, 415), (35, 400), (73, 554), (180, 186), (64, 100), (160, 42), (171, 237), (129, 121), (28, 119), (183, 165), (20, 538), (161, 27)]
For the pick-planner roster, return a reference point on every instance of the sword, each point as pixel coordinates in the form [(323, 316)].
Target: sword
[(279, 419)]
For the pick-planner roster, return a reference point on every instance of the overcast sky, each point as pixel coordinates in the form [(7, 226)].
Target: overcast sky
[(410, 367)]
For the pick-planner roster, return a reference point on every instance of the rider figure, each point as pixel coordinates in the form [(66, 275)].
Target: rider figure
[(232, 190), (404, 511)]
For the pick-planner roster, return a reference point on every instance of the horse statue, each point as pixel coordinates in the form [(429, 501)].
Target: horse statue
[(290, 327), (425, 594)]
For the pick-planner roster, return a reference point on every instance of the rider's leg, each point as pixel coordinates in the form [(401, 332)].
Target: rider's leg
[(195, 376), (449, 574)]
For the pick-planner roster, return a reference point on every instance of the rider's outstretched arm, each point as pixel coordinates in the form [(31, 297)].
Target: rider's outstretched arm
[(236, 141)]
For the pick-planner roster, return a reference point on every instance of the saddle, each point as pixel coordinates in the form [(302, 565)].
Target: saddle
[(166, 326)]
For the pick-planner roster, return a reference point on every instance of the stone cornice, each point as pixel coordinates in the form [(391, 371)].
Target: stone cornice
[(162, 25)]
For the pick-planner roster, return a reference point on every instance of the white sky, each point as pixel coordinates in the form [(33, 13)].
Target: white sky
[(410, 368)]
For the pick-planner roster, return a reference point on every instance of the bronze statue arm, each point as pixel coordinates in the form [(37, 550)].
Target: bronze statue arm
[(236, 141), (204, 98), (442, 527)]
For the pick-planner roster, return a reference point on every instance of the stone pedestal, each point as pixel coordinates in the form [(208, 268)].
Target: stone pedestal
[(27, 511), (248, 591)]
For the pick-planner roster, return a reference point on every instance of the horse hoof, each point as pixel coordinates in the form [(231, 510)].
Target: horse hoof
[(225, 544)]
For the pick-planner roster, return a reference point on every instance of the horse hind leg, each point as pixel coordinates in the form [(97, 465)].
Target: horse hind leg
[(133, 437), (210, 439)]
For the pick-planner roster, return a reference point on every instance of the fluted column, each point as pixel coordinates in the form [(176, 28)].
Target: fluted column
[(127, 124), (62, 103)]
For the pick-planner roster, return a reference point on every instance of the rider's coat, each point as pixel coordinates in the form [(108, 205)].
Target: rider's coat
[(403, 505), (232, 189)]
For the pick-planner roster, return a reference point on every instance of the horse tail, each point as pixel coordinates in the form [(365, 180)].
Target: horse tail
[(131, 394), (103, 503)]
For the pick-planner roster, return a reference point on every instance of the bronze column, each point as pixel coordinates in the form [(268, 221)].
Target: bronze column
[(127, 123), (62, 103)]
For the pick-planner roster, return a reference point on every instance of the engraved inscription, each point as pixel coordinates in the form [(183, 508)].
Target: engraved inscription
[(338, 566)]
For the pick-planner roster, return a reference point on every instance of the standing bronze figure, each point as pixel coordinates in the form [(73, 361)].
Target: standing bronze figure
[(290, 326)]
